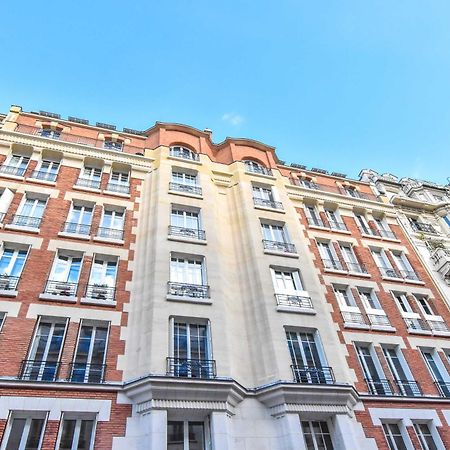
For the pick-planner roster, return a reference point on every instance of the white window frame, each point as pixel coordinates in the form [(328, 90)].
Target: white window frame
[(78, 417), (280, 227), (375, 360), (333, 216), (401, 358), (330, 254), (185, 211), (353, 307), (295, 277), (364, 294), (419, 298), (437, 360), (317, 341), (114, 212), (189, 154), (82, 213), (206, 432), (382, 261), (403, 433), (3, 315), (119, 174), (89, 173), (35, 199), (188, 178), (105, 259), (361, 221), (16, 249), (70, 256), (263, 192), (313, 435), (313, 214), (433, 433)]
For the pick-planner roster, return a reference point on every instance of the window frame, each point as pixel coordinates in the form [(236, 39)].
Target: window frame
[(78, 417)]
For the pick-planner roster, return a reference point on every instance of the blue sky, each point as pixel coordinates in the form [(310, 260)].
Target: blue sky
[(337, 84)]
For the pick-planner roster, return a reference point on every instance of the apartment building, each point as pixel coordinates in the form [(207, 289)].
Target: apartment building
[(161, 291)]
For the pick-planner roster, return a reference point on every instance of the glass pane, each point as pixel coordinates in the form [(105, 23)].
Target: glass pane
[(34, 435), (16, 434), (67, 434), (175, 436), (196, 436), (84, 441)]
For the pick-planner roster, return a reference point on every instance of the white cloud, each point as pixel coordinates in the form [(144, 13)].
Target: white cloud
[(233, 118)]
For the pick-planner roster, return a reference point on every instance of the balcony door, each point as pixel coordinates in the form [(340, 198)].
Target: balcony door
[(185, 435), (372, 371), (103, 272), (12, 262), (399, 371), (19, 162), (65, 273), (185, 219), (438, 372), (263, 193), (186, 271), (80, 219), (184, 178), (274, 233), (32, 208), (48, 170)]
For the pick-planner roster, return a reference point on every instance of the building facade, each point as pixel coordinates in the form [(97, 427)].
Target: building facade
[(160, 291)]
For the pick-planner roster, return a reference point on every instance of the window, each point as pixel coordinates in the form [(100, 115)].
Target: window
[(79, 219), (437, 371), (187, 270), (394, 436), (403, 302), (185, 222), (307, 183), (45, 352), (76, 433), (2, 319), (112, 223), (185, 435), (363, 225), (6, 198), (50, 133), (109, 144), (334, 219), (191, 350), (274, 233), (119, 182), (308, 361), (400, 371), (383, 228), (185, 182), (328, 255), (102, 279), (15, 165), (447, 219), (383, 263), (254, 167), (183, 152), (352, 192), (369, 299), (313, 216), (264, 196), (48, 171), (344, 296), (425, 436), (30, 213), (89, 362), (286, 280), (424, 305), (350, 259), (90, 177), (12, 261), (404, 266), (65, 274), (317, 435), (24, 431)]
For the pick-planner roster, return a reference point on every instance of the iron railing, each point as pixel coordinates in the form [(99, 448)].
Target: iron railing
[(118, 187), (187, 188), (100, 292), (187, 232), (313, 375), (443, 388), (298, 301), (408, 388), (389, 272), (257, 201), (8, 283), (188, 290), (284, 247), (39, 370), (61, 288), (438, 325), (191, 368), (26, 221), (185, 154), (332, 264), (356, 267), (368, 231), (416, 324), (258, 169), (355, 318), (76, 228), (88, 183), (425, 227), (337, 225), (315, 222), (379, 320), (387, 234), (409, 275), (86, 373), (43, 175), (13, 170), (379, 387), (110, 233)]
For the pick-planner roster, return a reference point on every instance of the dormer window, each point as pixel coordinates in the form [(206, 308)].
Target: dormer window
[(183, 152), (254, 167), (50, 133), (109, 144), (351, 191)]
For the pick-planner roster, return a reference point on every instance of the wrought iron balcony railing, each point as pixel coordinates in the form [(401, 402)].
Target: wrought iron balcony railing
[(416, 324), (313, 375), (379, 387), (356, 267), (315, 222), (43, 175), (191, 368), (354, 318), (332, 264), (86, 373), (258, 169), (8, 283), (193, 233), (389, 272), (26, 221), (13, 170), (100, 292), (188, 290), (337, 225), (88, 183), (443, 388), (76, 228), (257, 201), (182, 153), (368, 231), (110, 233), (438, 325), (65, 288), (408, 388), (284, 247), (188, 188), (298, 301), (425, 227), (379, 320), (409, 275), (387, 234), (39, 370), (120, 188)]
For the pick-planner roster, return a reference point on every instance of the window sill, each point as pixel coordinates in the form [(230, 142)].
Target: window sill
[(356, 326), (341, 272), (387, 328), (296, 310), (20, 228), (187, 240), (334, 230), (98, 302), (12, 177), (261, 175), (403, 280), (359, 274), (279, 253), (37, 180), (117, 194), (86, 189), (109, 240), (441, 333), (185, 194), (8, 293), (422, 332), (58, 298), (197, 301), (187, 160), (84, 237), (266, 208)]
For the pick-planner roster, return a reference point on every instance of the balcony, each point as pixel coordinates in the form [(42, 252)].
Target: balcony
[(62, 288), (284, 247), (409, 275), (261, 170), (379, 320), (100, 293), (26, 221), (8, 283), (441, 262), (187, 290), (443, 388), (76, 228), (340, 226), (88, 183), (332, 264), (192, 233), (379, 387), (13, 170), (423, 227), (86, 373), (438, 326), (408, 388), (119, 188), (191, 368), (185, 188), (354, 318), (313, 375), (44, 176), (110, 233), (389, 272), (356, 267), (387, 234), (266, 203), (416, 324), (315, 222), (297, 301), (38, 370)]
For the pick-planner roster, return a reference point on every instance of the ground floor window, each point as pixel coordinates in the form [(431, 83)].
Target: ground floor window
[(76, 434), (394, 436), (24, 431), (185, 435), (317, 435)]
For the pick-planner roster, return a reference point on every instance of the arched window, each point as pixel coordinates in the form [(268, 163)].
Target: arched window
[(254, 167), (183, 152)]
